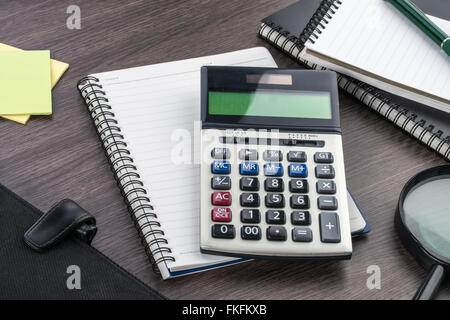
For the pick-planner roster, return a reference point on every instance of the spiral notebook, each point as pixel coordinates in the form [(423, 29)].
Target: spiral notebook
[(335, 34), (140, 115)]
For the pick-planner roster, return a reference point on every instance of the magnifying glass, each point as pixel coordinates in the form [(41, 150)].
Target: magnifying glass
[(423, 222)]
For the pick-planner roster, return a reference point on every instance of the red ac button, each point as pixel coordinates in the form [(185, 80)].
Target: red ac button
[(221, 198), (221, 214)]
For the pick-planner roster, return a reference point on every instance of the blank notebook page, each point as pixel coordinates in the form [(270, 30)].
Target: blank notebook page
[(157, 106), (374, 36)]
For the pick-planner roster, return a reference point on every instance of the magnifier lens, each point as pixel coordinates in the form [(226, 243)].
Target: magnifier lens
[(426, 213)]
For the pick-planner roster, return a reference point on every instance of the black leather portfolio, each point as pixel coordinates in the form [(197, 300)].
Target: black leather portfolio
[(48, 256)]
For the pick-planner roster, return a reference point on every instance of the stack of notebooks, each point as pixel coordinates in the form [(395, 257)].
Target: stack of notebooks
[(383, 59), (140, 115), (26, 81)]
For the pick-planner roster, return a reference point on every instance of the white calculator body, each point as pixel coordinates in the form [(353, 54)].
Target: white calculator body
[(272, 171)]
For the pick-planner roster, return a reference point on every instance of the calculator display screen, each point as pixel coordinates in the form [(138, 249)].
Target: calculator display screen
[(287, 104)]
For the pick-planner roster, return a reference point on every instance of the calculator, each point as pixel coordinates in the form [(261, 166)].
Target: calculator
[(272, 168)]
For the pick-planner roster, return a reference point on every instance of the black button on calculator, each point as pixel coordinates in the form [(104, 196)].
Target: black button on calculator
[(301, 235), (250, 216), (296, 156), (221, 183), (300, 218), (324, 171), (275, 200), (249, 184), (327, 203), (329, 227), (276, 233), (323, 157), (299, 202), (326, 187), (275, 217), (249, 200), (298, 186), (250, 232), (274, 185), (225, 231)]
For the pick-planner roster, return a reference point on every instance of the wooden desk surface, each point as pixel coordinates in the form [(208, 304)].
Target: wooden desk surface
[(60, 156)]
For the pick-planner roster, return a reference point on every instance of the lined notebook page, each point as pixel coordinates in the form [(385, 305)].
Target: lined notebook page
[(374, 36), (157, 106)]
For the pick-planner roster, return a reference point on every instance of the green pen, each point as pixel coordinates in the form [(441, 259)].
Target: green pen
[(424, 23)]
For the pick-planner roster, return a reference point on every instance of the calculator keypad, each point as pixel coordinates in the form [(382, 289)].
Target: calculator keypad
[(283, 195)]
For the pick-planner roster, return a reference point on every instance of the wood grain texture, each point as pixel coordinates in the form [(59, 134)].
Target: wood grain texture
[(60, 155)]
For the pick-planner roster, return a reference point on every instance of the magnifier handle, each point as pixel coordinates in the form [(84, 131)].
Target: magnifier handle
[(431, 284)]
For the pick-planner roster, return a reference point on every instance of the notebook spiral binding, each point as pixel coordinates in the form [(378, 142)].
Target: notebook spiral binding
[(319, 21), (125, 172), (293, 46)]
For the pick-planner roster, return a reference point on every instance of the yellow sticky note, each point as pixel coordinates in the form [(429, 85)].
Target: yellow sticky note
[(57, 70), (25, 82)]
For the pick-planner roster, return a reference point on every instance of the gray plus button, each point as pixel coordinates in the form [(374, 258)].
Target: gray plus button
[(329, 227)]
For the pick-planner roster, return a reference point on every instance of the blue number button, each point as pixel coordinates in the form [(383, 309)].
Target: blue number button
[(273, 169), (249, 168), (221, 167), (298, 170)]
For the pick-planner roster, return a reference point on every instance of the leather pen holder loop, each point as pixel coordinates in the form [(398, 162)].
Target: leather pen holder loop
[(64, 219)]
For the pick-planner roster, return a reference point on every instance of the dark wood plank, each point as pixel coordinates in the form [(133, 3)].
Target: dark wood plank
[(60, 156)]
